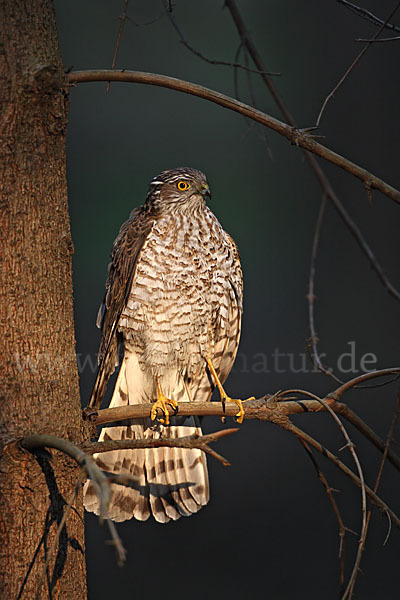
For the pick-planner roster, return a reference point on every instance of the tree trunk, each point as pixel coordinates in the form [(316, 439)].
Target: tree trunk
[(39, 381)]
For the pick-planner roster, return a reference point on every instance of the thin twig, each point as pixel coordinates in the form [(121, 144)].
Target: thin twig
[(373, 41), (360, 379), (366, 14), (249, 126), (352, 66), (210, 61), (375, 499), (389, 438), (295, 136), (311, 296), (299, 406), (320, 175), (117, 543), (341, 526), (346, 412), (121, 27), (351, 447)]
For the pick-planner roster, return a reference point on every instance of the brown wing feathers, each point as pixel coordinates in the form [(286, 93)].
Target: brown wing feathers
[(124, 258)]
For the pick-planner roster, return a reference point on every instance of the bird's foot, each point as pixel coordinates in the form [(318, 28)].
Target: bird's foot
[(240, 415), (162, 403), (224, 396)]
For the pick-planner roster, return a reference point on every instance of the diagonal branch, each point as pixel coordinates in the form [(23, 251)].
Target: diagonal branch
[(295, 136), (353, 64), (389, 438), (366, 14), (121, 27), (330, 456), (364, 526), (341, 525), (318, 172), (210, 61), (312, 343)]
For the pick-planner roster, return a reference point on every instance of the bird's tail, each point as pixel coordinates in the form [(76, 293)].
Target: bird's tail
[(168, 482)]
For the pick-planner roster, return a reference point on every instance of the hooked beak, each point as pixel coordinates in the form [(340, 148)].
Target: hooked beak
[(204, 190)]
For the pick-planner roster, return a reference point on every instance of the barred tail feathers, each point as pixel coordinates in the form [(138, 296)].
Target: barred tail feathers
[(169, 482)]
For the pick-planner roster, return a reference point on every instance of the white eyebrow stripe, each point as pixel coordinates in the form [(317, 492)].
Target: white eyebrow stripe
[(156, 182)]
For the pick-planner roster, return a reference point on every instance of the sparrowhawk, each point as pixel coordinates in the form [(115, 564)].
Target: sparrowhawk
[(173, 304)]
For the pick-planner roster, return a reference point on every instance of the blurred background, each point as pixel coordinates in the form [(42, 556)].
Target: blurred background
[(269, 528)]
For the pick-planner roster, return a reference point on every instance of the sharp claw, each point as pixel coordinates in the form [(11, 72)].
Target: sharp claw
[(161, 403), (239, 417)]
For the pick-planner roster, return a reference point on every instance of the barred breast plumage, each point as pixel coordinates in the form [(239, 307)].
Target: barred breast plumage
[(174, 299)]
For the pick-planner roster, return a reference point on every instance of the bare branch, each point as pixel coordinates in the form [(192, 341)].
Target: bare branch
[(389, 438), (121, 27), (274, 408), (325, 452), (37, 441), (353, 64), (366, 431), (366, 14), (210, 61), (294, 135), (190, 441), (265, 408), (254, 409), (313, 342), (117, 543), (320, 175), (351, 447), (309, 406), (374, 41), (341, 526), (360, 379)]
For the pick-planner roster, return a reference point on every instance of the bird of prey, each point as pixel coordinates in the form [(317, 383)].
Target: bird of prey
[(172, 309)]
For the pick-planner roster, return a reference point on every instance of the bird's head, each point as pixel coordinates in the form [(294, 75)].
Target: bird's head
[(183, 187)]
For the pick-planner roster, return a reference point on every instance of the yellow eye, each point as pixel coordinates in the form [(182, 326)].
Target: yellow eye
[(183, 185)]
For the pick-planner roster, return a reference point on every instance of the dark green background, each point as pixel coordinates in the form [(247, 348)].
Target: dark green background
[(269, 527)]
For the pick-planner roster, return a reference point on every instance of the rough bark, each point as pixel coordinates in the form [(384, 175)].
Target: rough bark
[(39, 381)]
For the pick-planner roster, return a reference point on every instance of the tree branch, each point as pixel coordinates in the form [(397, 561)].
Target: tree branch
[(295, 136), (266, 408), (190, 441), (366, 14), (38, 441), (210, 61), (327, 189), (341, 526), (275, 409), (352, 582), (353, 64), (364, 527), (330, 456)]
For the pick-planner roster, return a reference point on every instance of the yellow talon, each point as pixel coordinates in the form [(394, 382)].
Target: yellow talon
[(161, 403), (224, 396)]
